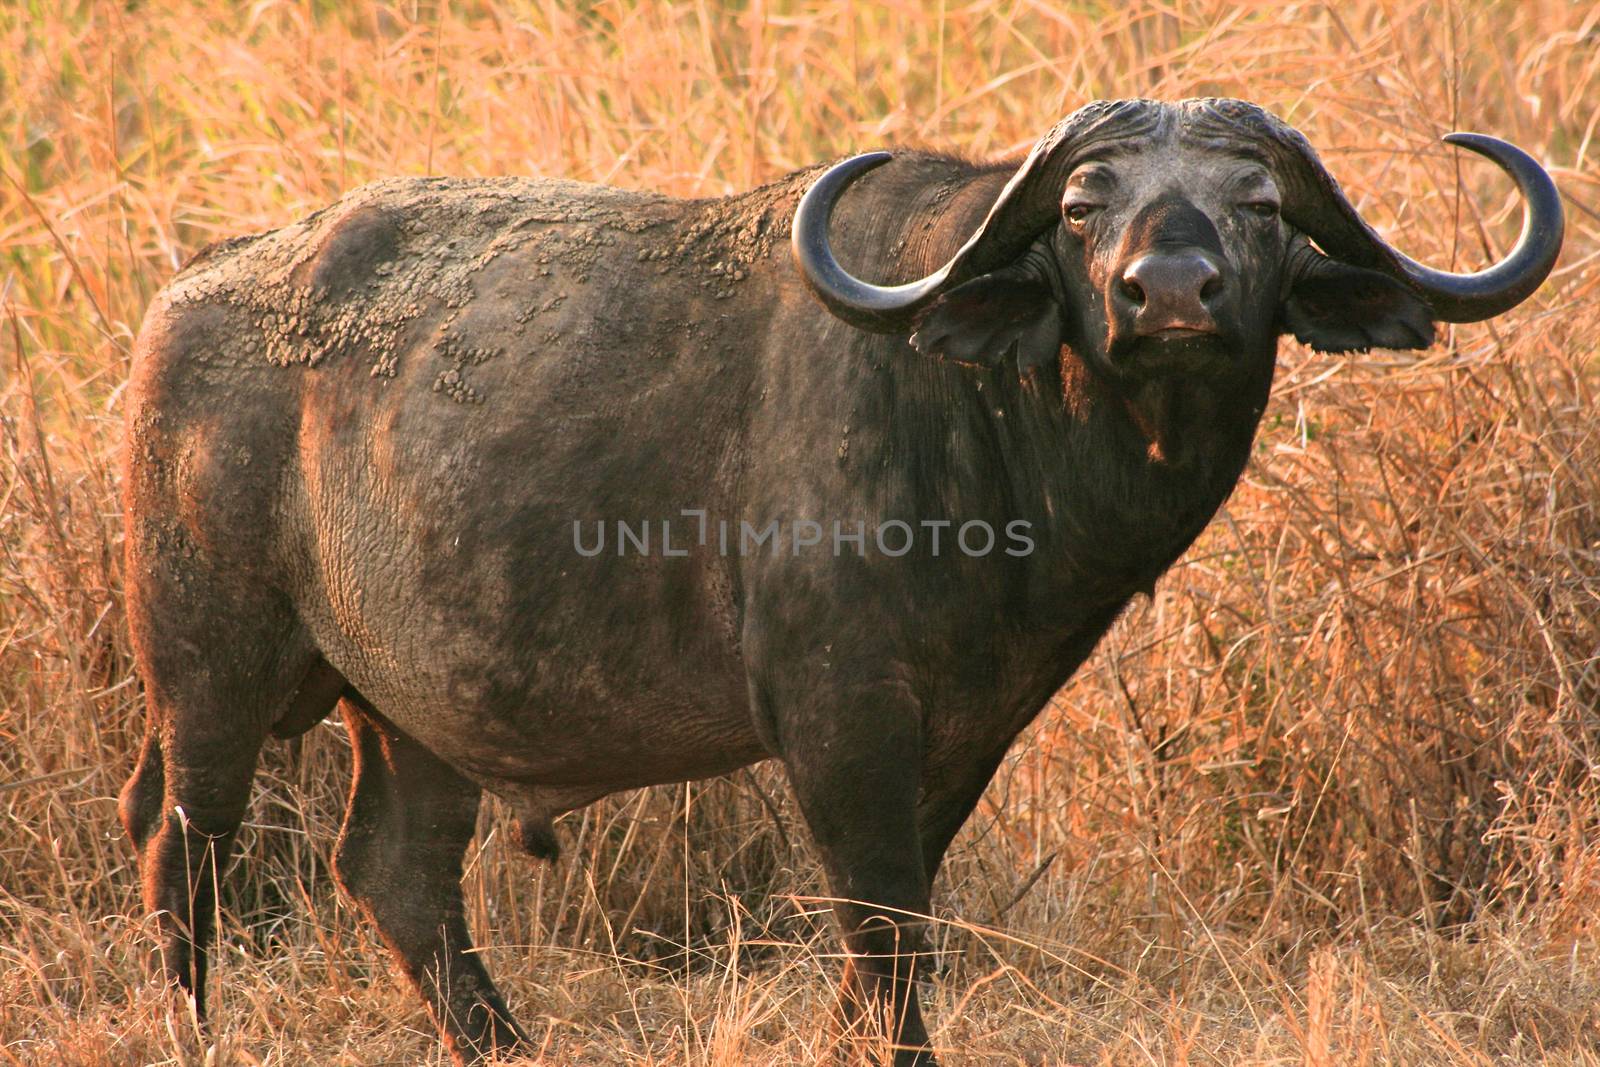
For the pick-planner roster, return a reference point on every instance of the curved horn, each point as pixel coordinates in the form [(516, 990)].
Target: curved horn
[(1488, 292), (880, 308), (1027, 206), (1320, 209)]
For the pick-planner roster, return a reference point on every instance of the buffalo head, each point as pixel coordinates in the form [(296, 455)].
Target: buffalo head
[(1175, 238)]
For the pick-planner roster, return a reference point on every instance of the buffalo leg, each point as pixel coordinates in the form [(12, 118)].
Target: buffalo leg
[(182, 808), (858, 794), (213, 685), (140, 804), (407, 827), (946, 803)]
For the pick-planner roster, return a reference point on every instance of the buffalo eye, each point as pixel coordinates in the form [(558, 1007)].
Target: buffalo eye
[(1078, 213), (1265, 209)]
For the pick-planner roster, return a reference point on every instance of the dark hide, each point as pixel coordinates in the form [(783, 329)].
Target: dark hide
[(357, 448)]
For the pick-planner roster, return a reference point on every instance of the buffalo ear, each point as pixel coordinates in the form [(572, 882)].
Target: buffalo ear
[(982, 320), (1334, 307)]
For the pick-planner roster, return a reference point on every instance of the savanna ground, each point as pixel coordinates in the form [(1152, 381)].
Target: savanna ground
[(1332, 796)]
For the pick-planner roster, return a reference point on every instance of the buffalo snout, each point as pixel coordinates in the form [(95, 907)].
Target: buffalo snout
[(1172, 294)]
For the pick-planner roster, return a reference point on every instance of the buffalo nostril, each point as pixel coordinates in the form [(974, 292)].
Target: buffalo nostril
[(1173, 289), (1168, 275)]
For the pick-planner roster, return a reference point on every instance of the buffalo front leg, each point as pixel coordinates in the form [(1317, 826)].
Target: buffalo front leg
[(407, 827), (855, 774), (948, 797)]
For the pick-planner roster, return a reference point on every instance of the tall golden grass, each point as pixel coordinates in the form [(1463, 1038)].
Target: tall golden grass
[(1332, 796)]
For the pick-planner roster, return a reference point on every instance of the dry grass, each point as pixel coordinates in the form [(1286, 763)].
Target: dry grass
[(1333, 796)]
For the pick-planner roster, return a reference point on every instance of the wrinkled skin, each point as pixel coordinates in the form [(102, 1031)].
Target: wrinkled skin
[(357, 447)]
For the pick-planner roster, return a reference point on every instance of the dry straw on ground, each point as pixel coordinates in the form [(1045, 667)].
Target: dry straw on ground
[(1331, 796)]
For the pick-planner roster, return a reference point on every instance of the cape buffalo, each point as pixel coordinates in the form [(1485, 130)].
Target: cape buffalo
[(563, 490)]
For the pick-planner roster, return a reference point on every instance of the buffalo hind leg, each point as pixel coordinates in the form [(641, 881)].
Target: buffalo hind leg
[(182, 808), (409, 822), (218, 670), (139, 806), (857, 789), (183, 839)]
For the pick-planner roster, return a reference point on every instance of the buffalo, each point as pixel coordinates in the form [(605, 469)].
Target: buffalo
[(557, 490)]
